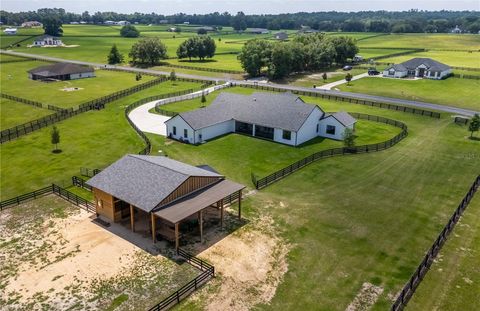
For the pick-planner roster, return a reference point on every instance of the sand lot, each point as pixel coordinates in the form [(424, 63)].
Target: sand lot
[(52, 256)]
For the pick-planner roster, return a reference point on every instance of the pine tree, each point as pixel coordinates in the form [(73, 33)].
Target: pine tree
[(474, 125), (114, 57), (55, 137)]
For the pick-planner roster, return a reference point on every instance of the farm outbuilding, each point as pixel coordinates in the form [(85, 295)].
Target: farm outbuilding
[(162, 191), (61, 71), (47, 40)]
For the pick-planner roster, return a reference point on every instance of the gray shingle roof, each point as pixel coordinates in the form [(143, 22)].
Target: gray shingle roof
[(343, 117), (60, 69), (430, 63), (285, 111), (145, 181), (397, 67)]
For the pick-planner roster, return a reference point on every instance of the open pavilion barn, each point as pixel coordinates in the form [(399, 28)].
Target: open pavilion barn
[(158, 194)]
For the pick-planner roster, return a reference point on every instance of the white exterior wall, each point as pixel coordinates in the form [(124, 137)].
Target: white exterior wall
[(82, 75), (396, 74), (278, 137), (214, 131), (309, 128), (438, 76), (180, 124), (339, 128)]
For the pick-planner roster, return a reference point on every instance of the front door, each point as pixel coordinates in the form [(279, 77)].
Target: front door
[(421, 72)]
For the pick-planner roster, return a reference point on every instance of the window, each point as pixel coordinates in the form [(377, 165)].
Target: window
[(317, 128), (331, 129), (174, 130), (287, 135), (185, 133)]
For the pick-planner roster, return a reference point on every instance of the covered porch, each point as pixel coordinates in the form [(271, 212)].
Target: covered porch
[(205, 205)]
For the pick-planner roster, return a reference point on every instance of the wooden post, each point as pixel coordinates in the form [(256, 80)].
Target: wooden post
[(176, 236), (221, 213), (154, 230), (240, 204), (132, 218), (200, 224)]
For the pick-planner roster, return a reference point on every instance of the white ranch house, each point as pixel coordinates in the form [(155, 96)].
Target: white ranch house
[(283, 118), (47, 41), (418, 67), (10, 31)]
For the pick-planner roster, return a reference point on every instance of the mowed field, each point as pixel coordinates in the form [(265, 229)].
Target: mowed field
[(452, 91), (345, 229), (458, 59)]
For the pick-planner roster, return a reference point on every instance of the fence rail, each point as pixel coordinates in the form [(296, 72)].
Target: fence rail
[(417, 277), (99, 103), (78, 182), (55, 189), (205, 68), (350, 100), (89, 172), (33, 103), (208, 272), (186, 96), (284, 172)]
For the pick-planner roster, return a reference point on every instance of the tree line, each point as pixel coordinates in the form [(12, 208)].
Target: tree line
[(304, 53), (367, 21)]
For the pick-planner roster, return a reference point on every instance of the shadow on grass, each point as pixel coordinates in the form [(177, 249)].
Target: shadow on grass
[(197, 61), (474, 138), (57, 151)]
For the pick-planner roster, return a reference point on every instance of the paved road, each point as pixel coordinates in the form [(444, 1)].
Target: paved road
[(361, 96)]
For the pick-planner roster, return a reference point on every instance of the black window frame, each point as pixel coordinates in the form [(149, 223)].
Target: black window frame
[(185, 133), (288, 134), (174, 130), (329, 129)]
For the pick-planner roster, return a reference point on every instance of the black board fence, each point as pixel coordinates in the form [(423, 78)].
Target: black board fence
[(26, 128), (204, 68), (284, 172), (78, 182), (33, 103), (89, 172), (417, 277), (347, 99), (55, 189), (207, 273)]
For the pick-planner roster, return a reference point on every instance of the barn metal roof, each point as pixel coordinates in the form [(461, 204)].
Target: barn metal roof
[(60, 69)]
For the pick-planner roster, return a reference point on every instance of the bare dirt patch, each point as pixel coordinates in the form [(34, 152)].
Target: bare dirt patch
[(366, 297), (250, 264)]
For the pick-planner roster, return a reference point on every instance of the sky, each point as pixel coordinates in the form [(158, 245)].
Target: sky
[(168, 7)]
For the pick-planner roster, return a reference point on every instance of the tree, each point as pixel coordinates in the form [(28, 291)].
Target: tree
[(201, 31), (255, 55), (173, 76), (55, 137), (148, 51), (324, 77), (474, 125), (138, 76), (200, 46), (348, 137), (348, 78), (129, 31), (239, 22), (203, 100), (52, 26), (280, 64), (115, 57)]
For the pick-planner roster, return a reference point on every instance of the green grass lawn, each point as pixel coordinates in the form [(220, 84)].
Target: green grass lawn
[(457, 59), (425, 41), (367, 53), (456, 92), (452, 281), (93, 139), (13, 113), (15, 81), (353, 219), (311, 79)]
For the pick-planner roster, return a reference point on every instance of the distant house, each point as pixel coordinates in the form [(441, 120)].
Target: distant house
[(31, 24), (162, 191), (172, 29), (257, 31), (10, 31), (456, 29), (186, 23), (109, 22), (47, 40), (83, 22), (281, 36), (123, 23), (206, 28), (358, 58), (163, 21), (74, 23), (283, 118), (418, 67), (61, 71)]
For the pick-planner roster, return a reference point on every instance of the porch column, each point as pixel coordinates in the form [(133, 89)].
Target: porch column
[(240, 204), (154, 229), (176, 236), (200, 224), (132, 218), (221, 213)]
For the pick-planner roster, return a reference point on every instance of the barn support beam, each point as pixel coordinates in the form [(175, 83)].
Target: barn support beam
[(221, 213), (177, 244), (132, 219), (240, 204), (154, 229), (200, 224)]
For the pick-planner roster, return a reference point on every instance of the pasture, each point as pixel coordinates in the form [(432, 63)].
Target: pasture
[(335, 247), (451, 58), (15, 81), (13, 113), (452, 91)]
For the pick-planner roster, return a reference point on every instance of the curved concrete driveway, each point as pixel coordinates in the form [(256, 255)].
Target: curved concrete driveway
[(155, 123)]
